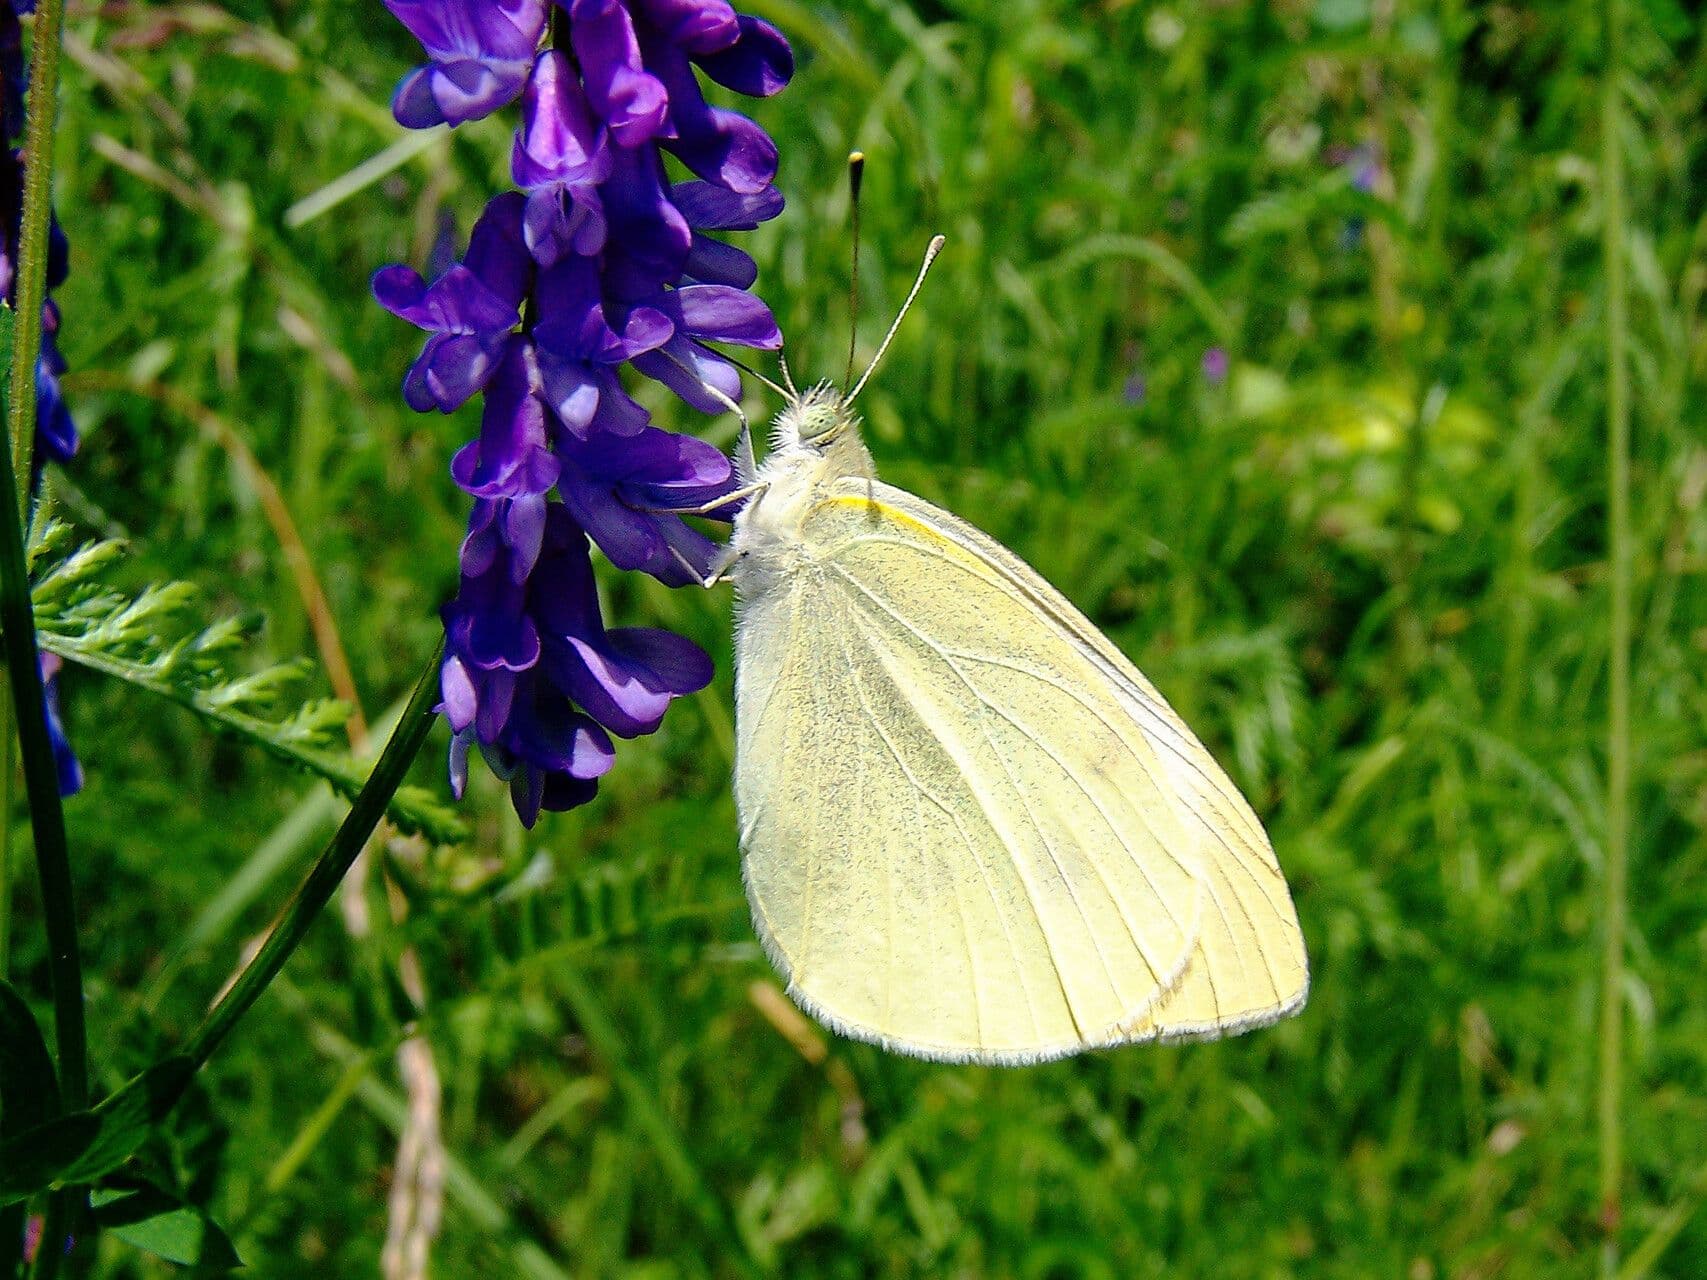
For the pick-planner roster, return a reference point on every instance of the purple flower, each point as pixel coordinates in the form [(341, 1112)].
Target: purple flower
[(626, 96), (597, 263), (34, 1227), (622, 492), (551, 753), (560, 158), (1365, 167), (626, 678), (707, 313), (579, 352), (1363, 164), (64, 759), (649, 236), (1215, 366), (758, 63), (481, 52), (719, 145), (708, 207), (470, 309), (512, 456), (56, 433), (699, 26)]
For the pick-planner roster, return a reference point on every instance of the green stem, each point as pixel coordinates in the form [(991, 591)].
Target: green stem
[(50, 1252), (32, 236), (1614, 884), (6, 763), (41, 779), (47, 818), (323, 880)]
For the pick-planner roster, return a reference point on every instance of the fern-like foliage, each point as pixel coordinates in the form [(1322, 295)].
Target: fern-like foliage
[(156, 641)]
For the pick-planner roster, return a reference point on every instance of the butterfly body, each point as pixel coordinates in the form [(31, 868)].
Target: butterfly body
[(971, 829), (814, 442)]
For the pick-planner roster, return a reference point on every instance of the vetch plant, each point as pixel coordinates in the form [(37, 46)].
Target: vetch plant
[(601, 259), (55, 433), (597, 262)]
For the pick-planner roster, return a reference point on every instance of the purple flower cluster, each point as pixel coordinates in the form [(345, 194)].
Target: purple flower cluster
[(599, 260), (56, 434)]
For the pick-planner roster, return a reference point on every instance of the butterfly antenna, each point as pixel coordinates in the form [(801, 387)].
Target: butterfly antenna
[(935, 248), (856, 175), (787, 381)]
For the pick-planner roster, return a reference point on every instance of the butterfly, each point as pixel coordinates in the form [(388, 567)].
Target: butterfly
[(971, 830)]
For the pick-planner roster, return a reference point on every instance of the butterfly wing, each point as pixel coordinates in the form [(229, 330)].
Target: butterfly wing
[(971, 831), (1248, 967)]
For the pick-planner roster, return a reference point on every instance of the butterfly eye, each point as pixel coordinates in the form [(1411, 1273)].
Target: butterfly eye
[(820, 423)]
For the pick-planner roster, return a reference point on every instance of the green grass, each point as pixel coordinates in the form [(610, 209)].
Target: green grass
[(1372, 570)]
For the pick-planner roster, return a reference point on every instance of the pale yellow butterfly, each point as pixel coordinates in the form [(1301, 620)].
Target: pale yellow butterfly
[(972, 830)]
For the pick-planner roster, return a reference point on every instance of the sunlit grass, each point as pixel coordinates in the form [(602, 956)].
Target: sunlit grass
[(1371, 567)]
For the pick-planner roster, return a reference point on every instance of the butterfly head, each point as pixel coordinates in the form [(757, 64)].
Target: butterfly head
[(814, 419)]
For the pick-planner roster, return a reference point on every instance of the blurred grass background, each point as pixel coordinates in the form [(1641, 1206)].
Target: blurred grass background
[(1369, 565)]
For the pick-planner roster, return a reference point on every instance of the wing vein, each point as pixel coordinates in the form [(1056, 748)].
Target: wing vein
[(1167, 726), (1242, 863), (1008, 841), (1160, 982), (1143, 703), (919, 789)]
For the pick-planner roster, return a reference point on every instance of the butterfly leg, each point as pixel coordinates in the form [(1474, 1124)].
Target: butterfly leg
[(716, 504), (720, 566), (746, 461)]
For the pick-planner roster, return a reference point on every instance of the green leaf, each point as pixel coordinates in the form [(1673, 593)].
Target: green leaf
[(29, 1090), (158, 1222), (83, 1146), (79, 1148), (155, 640), (129, 1116), (38, 1158)]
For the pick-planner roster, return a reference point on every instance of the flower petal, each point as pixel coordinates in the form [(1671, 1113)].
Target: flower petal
[(648, 237), (559, 141), (709, 207), (720, 146), (758, 64), (511, 458), (688, 370), (713, 262), (618, 694), (456, 687), (699, 26), (630, 100), (718, 313), (402, 291)]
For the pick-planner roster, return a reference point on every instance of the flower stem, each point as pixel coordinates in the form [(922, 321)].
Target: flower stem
[(41, 782), (369, 807), (6, 763), (40, 122), (1614, 883)]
